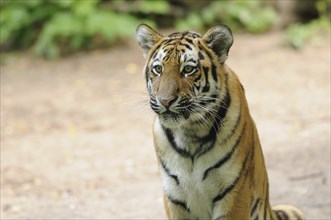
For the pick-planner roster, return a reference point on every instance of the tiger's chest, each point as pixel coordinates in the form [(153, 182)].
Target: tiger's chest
[(183, 172), (182, 180)]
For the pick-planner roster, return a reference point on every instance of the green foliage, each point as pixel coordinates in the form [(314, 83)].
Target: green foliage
[(250, 16), (158, 7), (55, 27), (297, 35)]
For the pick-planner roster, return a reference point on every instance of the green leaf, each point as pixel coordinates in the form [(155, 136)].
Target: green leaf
[(62, 26), (111, 25), (64, 3), (155, 6), (11, 20), (84, 8), (193, 21)]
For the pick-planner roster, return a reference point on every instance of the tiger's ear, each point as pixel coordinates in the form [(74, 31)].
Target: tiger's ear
[(147, 37), (219, 39)]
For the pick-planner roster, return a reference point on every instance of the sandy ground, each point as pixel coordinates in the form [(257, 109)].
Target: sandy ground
[(76, 140)]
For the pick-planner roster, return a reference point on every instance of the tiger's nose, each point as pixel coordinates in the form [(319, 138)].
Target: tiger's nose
[(167, 101)]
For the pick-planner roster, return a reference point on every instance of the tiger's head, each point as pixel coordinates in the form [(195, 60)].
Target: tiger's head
[(184, 72)]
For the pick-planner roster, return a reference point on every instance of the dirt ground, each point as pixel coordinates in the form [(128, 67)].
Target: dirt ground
[(76, 140)]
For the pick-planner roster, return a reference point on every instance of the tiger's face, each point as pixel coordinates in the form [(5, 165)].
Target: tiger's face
[(183, 72)]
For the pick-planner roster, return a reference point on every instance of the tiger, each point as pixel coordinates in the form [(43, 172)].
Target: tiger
[(206, 142)]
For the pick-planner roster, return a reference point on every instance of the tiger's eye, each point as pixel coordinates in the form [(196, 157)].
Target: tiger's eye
[(157, 69), (188, 70)]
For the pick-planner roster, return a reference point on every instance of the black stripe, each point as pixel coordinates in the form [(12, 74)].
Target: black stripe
[(209, 54), (226, 191), (154, 56), (205, 69), (236, 123), (153, 102), (214, 72), (233, 184), (156, 49), (189, 40), (203, 149), (154, 106), (225, 103), (192, 60), (195, 35), (166, 169), (186, 45), (281, 214), (213, 67), (166, 57), (169, 42), (173, 144), (184, 33), (174, 35), (205, 72), (256, 203), (235, 127), (278, 215), (179, 203), (147, 74), (206, 86), (226, 157), (201, 57)]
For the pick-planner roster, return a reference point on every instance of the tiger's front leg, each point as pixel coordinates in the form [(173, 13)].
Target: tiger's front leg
[(232, 208), (239, 214), (175, 211)]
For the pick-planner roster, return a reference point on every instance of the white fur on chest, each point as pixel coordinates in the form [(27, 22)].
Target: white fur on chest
[(190, 185), (191, 189), (198, 193)]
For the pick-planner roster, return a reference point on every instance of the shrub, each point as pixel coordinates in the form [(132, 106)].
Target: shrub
[(57, 27), (297, 35), (251, 16)]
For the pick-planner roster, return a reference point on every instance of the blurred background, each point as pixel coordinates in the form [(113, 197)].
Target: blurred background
[(76, 128), (52, 28)]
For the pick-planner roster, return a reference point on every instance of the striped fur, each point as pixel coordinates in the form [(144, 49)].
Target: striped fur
[(207, 145)]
